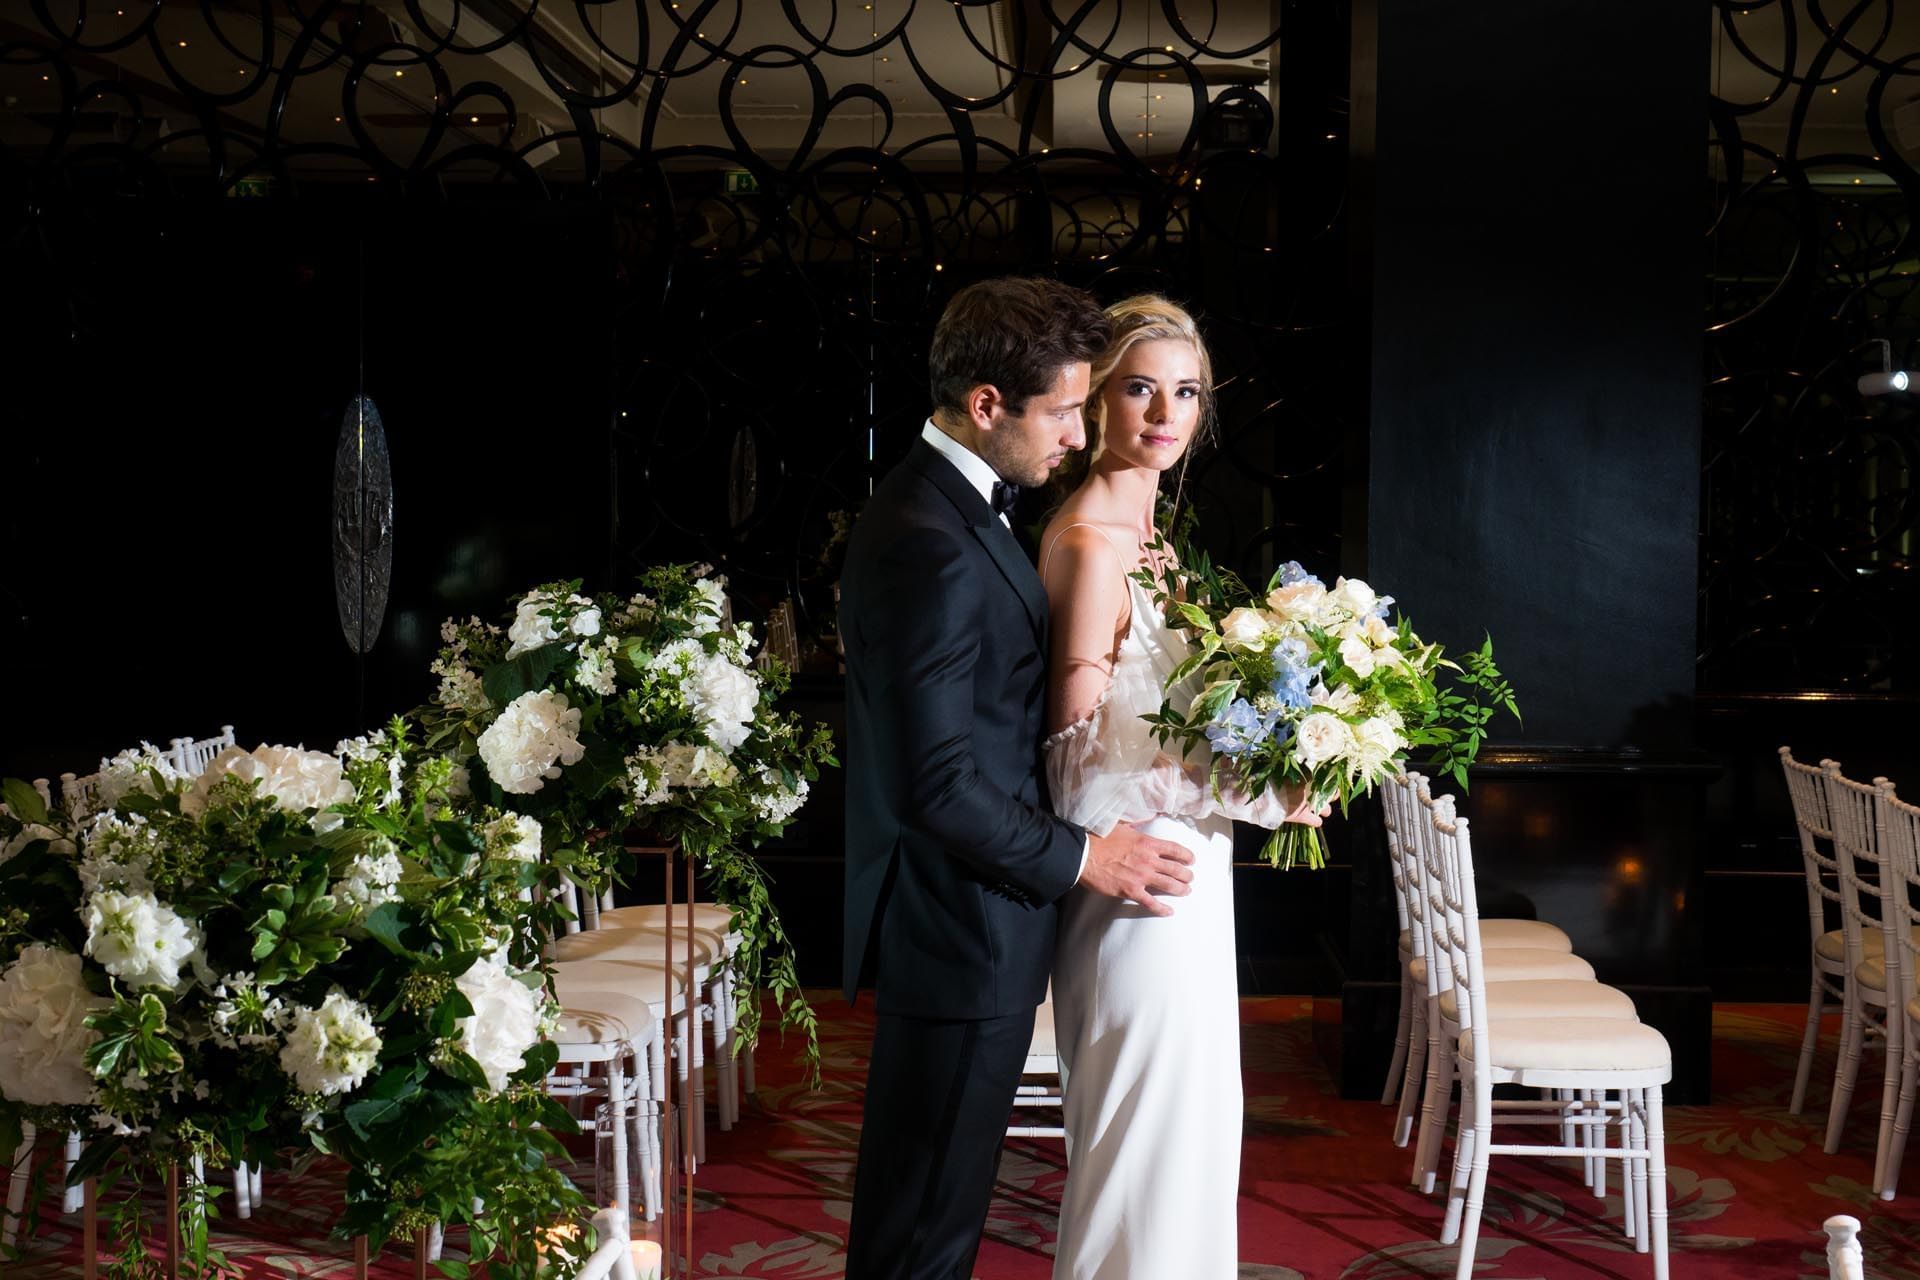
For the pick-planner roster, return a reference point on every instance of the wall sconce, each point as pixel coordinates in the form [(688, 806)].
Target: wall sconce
[(1888, 380)]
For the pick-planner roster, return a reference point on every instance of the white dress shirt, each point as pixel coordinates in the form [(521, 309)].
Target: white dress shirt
[(981, 475)]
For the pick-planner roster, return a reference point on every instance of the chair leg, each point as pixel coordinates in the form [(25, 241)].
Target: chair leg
[(722, 1063), (1390, 1091), (1463, 1153), (1896, 1057), (254, 1176), (1657, 1181), (683, 1071), (1596, 1136), (1844, 1073), (242, 1191), (622, 1118), (1809, 1040), (1902, 1122), (436, 1241), (1632, 1218), (1413, 1079), (1476, 1191), (19, 1174), (699, 1069), (644, 1128), (1434, 1114), (75, 1197)]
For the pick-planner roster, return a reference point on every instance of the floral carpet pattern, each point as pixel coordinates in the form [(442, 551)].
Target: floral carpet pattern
[(1323, 1191)]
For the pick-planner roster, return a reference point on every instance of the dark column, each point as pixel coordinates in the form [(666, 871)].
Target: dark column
[(1527, 187)]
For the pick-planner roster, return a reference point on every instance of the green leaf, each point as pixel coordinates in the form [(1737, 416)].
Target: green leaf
[(23, 801), (385, 926), (507, 680), (468, 1072)]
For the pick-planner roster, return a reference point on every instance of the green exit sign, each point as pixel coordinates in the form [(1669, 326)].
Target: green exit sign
[(741, 183)]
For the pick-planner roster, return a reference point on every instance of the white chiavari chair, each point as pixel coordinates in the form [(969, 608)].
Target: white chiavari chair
[(1506, 965), (1581, 1058), (19, 1171), (1844, 1258), (192, 755), (1401, 810), (1040, 1084), (1853, 809), (1900, 909), (1806, 788)]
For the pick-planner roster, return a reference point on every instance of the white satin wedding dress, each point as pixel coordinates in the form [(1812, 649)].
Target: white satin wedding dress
[(1147, 1008)]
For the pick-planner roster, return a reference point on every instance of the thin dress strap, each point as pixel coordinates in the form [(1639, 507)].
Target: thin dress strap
[(1081, 524)]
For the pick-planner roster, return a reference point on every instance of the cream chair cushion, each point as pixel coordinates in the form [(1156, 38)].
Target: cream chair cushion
[(1548, 999), (1833, 943), (707, 917), (602, 1017), (1501, 934), (651, 945), (638, 979), (1523, 964), (1574, 1044)]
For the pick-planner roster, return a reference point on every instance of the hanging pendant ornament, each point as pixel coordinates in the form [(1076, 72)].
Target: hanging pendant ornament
[(362, 524)]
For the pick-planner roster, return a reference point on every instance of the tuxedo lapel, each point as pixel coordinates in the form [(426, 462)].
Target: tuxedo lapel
[(995, 537)]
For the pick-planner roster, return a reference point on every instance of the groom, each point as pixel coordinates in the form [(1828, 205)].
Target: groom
[(954, 861)]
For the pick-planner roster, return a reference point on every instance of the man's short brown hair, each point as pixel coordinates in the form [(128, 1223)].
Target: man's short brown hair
[(1014, 334)]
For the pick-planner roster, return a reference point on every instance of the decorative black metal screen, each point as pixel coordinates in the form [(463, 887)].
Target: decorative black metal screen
[(1809, 510), (793, 189)]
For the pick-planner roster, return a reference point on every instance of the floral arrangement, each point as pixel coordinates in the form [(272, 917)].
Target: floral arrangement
[(1306, 684), (601, 714), (293, 951)]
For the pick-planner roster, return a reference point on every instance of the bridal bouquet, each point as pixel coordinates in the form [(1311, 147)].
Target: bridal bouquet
[(294, 950), (1306, 684), (596, 714)]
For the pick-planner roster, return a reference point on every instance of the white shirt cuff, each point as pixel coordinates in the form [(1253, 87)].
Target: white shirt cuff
[(1086, 851)]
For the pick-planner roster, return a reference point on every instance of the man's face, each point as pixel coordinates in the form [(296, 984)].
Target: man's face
[(1025, 448)]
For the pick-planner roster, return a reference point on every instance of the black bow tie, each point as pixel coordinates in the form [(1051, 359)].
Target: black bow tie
[(1003, 497)]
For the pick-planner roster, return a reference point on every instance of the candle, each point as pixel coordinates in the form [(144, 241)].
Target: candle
[(646, 1260)]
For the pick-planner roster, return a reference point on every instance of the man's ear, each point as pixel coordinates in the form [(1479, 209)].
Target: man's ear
[(985, 406)]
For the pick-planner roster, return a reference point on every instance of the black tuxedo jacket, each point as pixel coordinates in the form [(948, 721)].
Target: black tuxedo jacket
[(954, 861)]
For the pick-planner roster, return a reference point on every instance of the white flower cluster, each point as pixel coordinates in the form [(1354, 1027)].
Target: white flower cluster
[(506, 1020), (594, 671), (543, 616), (514, 836), (371, 879), (298, 780), (713, 611), (773, 802), (1362, 749), (139, 939), (654, 772), (135, 767), (460, 687), (723, 694), (116, 853), (369, 748), (536, 734), (44, 1036), (332, 1048), (245, 1015)]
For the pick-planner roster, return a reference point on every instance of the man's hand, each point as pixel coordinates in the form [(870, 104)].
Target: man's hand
[(1126, 864)]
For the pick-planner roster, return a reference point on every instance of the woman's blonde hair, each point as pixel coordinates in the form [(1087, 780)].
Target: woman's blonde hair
[(1145, 317)]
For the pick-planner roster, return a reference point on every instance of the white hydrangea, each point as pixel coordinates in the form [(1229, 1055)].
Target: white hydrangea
[(534, 736), (515, 836), (139, 939), (44, 1035), (506, 1018), (298, 779), (245, 1015), (725, 698), (773, 802), (595, 669), (372, 878), (134, 767), (116, 853), (536, 615), (330, 1049)]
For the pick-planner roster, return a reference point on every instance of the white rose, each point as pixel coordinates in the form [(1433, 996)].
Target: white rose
[(1246, 628), (1358, 655), (1301, 602), (505, 1021), (531, 739), (725, 697), (1352, 595), (1342, 701), (1375, 743), (330, 1049), (44, 1037), (139, 939), (1323, 737)]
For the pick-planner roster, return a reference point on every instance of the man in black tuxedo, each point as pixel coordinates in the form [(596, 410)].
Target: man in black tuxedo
[(954, 860)]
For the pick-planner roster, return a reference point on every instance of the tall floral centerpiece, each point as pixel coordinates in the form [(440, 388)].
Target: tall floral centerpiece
[(599, 714), (1309, 685), (293, 951)]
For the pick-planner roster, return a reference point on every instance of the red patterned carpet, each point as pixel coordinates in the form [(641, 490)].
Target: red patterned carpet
[(1322, 1189)]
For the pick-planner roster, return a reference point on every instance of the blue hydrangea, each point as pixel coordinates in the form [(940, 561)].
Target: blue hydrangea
[(1293, 674), (1241, 727), (1291, 572)]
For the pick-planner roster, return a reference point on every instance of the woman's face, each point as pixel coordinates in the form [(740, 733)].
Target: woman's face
[(1152, 401)]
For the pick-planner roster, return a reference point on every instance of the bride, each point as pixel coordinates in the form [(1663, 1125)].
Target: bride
[(1146, 1008)]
